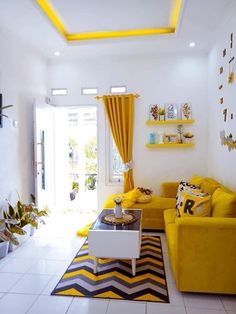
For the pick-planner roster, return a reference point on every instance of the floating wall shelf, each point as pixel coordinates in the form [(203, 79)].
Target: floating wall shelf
[(167, 145), (150, 122)]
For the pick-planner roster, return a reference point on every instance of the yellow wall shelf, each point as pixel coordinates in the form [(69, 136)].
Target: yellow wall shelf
[(150, 122), (166, 145)]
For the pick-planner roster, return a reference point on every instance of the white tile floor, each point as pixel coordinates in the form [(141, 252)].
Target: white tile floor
[(29, 274)]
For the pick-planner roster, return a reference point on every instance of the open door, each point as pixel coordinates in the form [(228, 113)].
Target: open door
[(44, 155)]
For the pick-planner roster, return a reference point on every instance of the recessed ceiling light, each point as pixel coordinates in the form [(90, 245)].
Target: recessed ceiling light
[(192, 44), (57, 53)]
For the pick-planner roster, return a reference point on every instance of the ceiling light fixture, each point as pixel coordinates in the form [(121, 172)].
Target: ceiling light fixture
[(57, 53), (192, 44)]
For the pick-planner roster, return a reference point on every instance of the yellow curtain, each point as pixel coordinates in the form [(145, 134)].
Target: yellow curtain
[(120, 113)]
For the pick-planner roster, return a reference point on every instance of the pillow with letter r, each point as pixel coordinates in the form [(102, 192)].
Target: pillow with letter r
[(188, 187), (195, 205)]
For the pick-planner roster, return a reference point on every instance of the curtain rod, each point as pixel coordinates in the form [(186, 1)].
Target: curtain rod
[(100, 97)]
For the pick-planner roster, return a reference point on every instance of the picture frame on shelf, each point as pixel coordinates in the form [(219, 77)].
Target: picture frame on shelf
[(170, 138), (171, 112), (186, 111), (154, 112)]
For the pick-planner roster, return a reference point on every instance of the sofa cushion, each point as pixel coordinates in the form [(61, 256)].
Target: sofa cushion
[(195, 205), (223, 203), (196, 180), (209, 185), (169, 216), (188, 187)]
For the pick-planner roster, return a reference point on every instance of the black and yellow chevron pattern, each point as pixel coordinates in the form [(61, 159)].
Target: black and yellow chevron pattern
[(114, 279)]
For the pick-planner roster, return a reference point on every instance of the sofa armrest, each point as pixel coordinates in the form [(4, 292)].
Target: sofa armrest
[(169, 189), (205, 254)]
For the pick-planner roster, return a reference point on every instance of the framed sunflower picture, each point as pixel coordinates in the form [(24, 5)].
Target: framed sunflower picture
[(171, 111)]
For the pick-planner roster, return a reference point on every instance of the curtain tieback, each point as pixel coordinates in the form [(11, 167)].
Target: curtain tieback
[(128, 166)]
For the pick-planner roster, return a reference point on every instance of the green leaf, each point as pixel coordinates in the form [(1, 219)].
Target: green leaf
[(17, 230), (11, 211)]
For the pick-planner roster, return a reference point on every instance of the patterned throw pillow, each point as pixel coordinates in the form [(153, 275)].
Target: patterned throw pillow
[(185, 186), (195, 205)]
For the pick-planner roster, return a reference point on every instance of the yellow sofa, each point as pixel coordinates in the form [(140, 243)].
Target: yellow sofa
[(202, 250), (153, 212)]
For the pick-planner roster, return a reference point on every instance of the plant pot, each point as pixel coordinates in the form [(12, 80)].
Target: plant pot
[(32, 230), (118, 211), (4, 248), (161, 117), (21, 238), (188, 140)]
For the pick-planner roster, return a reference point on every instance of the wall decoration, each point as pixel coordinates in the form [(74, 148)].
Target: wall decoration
[(153, 112), (221, 100), (227, 141), (171, 111), (221, 70), (161, 114), (231, 61), (170, 138), (224, 53), (225, 114), (221, 86), (186, 111), (232, 116)]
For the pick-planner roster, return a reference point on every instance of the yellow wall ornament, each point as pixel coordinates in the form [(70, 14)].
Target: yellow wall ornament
[(53, 16)]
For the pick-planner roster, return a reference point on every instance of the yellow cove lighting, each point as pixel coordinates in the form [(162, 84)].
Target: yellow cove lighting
[(53, 16)]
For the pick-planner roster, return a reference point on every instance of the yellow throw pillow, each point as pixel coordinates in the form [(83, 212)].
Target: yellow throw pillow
[(195, 205), (209, 185), (223, 203), (188, 187), (130, 198), (143, 198), (196, 180)]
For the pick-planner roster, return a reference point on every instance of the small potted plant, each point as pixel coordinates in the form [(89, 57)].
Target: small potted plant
[(118, 208), (6, 236), (161, 114), (188, 137)]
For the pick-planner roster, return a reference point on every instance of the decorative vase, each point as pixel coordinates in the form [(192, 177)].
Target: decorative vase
[(161, 117), (152, 138), (4, 248), (118, 211)]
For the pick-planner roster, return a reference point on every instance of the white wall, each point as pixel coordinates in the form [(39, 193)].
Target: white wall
[(158, 80), (221, 162), (23, 77)]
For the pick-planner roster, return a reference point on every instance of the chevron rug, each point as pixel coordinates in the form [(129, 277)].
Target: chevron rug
[(114, 279)]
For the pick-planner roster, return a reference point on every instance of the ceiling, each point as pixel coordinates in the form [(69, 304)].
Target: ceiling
[(199, 22)]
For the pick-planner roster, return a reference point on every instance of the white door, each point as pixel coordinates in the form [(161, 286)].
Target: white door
[(44, 155)]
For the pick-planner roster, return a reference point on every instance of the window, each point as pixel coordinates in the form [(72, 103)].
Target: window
[(118, 89), (115, 164), (89, 91), (59, 91)]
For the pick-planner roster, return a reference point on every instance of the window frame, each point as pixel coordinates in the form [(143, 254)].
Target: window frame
[(89, 88), (109, 158), (59, 89), (118, 86)]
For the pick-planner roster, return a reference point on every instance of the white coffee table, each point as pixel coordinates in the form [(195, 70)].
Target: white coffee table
[(118, 242)]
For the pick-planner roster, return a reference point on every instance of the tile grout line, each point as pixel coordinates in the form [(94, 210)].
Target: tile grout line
[(108, 303), (69, 305)]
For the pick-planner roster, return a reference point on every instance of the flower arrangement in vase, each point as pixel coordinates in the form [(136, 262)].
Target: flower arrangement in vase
[(161, 114), (118, 208)]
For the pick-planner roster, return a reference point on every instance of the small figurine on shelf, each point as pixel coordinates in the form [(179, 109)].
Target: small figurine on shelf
[(161, 114), (152, 138), (180, 131), (188, 137)]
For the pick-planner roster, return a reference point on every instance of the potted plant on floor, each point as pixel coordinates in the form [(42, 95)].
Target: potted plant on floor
[(29, 217), (6, 236)]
